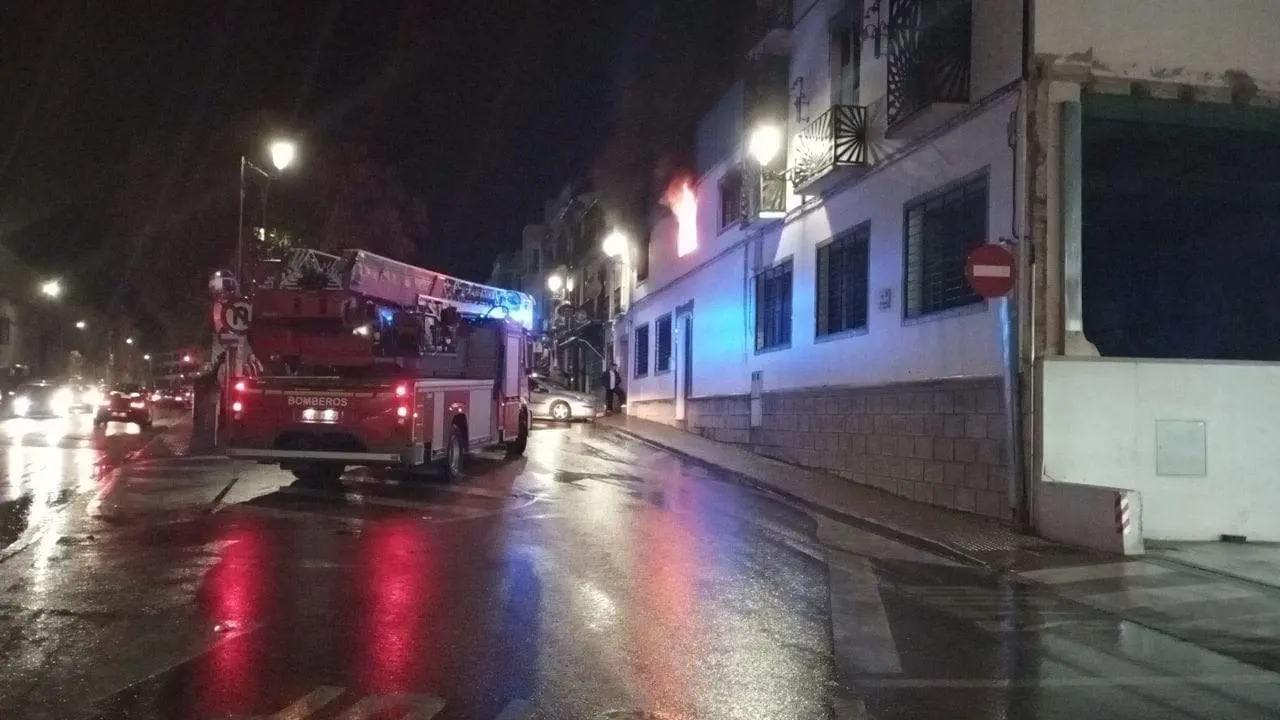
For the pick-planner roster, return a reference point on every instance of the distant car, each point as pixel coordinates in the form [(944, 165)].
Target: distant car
[(86, 398), (547, 400), (125, 403), (41, 398)]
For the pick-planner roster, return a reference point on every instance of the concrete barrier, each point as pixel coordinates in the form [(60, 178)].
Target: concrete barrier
[(1099, 518)]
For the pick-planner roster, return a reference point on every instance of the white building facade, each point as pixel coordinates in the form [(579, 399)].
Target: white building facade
[(842, 335), (832, 325)]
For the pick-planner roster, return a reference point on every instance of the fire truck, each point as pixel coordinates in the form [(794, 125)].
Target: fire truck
[(372, 362)]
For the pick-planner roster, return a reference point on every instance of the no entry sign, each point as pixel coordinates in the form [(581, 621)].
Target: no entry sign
[(989, 270)]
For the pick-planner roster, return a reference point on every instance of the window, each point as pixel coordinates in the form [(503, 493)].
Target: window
[(842, 282), (662, 344), (642, 351), (6, 329), (731, 210), (846, 57), (940, 231), (773, 307)]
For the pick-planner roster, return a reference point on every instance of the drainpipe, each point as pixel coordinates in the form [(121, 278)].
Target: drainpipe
[(1019, 483)]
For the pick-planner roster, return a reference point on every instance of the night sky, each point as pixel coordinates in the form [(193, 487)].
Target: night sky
[(123, 120)]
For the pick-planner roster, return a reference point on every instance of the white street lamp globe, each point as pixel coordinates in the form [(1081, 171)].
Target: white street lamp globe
[(765, 143), (128, 341), (283, 153), (80, 325), (615, 244), (51, 288), (554, 283)]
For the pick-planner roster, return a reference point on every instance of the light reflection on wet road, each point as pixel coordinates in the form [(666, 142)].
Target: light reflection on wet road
[(596, 578)]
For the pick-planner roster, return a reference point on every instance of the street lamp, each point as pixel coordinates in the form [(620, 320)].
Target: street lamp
[(147, 357), (80, 325), (282, 153), (765, 143), (554, 283), (51, 289), (615, 244), (128, 341)]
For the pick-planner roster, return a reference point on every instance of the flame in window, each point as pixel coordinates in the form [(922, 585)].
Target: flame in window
[(684, 203)]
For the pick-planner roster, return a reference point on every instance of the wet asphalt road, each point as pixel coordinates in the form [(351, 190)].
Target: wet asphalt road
[(596, 578)]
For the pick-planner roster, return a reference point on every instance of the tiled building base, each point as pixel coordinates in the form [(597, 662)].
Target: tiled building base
[(941, 442)]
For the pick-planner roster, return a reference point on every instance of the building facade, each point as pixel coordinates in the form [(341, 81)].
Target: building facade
[(823, 317), (820, 314)]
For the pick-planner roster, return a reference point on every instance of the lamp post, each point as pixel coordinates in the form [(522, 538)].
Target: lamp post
[(282, 153), (51, 290)]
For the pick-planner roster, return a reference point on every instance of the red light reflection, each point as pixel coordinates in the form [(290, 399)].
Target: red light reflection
[(665, 588), (399, 590), (234, 600)]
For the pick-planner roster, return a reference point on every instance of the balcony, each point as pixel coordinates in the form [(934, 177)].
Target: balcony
[(928, 63), (830, 149), (770, 27)]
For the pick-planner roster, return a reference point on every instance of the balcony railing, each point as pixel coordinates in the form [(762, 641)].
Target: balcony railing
[(929, 55), (834, 141)]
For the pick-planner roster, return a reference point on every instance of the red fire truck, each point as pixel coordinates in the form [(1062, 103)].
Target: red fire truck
[(369, 361)]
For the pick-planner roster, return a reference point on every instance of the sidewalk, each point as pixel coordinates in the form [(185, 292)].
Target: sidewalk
[(968, 538)]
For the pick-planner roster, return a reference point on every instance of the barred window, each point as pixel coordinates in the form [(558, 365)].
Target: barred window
[(773, 307), (842, 282), (642, 351), (940, 231), (662, 344)]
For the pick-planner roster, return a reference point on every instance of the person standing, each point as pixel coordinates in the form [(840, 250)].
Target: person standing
[(613, 388)]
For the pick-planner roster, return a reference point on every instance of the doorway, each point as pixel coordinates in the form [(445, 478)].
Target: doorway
[(683, 374)]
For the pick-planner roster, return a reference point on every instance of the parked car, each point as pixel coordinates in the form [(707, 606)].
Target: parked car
[(128, 402), (548, 400)]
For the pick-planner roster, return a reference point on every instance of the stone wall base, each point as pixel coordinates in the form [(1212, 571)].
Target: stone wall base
[(939, 442)]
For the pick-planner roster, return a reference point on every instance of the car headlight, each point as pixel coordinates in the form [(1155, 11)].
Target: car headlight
[(62, 399), (21, 405), (93, 397)]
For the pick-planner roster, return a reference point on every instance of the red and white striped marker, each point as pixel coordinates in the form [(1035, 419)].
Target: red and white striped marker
[(1122, 514)]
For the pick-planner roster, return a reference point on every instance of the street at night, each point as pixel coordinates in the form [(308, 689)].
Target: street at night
[(599, 577)]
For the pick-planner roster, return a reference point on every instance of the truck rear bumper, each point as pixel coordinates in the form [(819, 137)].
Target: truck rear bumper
[(408, 457)]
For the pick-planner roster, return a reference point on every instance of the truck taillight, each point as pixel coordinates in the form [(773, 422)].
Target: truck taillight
[(240, 386), (401, 391), (402, 411), (237, 406)]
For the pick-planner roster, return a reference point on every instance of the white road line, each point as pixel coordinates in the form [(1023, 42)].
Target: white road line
[(415, 707), (516, 710), (1081, 573), (1137, 680), (1156, 597), (859, 624), (309, 704)]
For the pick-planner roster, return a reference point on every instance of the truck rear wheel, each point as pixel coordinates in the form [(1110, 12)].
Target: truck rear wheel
[(319, 475), (455, 454), (516, 447)]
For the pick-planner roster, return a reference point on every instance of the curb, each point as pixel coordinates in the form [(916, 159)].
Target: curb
[(919, 542)]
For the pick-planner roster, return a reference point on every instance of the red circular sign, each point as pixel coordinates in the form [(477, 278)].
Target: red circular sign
[(989, 270)]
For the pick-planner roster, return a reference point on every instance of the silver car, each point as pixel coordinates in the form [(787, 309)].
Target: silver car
[(548, 400)]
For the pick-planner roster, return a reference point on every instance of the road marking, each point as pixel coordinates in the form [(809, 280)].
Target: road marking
[(309, 704), (460, 490), (1081, 573), (415, 707), (516, 710), (859, 624), (1154, 597), (213, 506), (1136, 680)]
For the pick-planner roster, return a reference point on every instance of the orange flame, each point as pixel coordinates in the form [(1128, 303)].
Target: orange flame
[(684, 203)]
